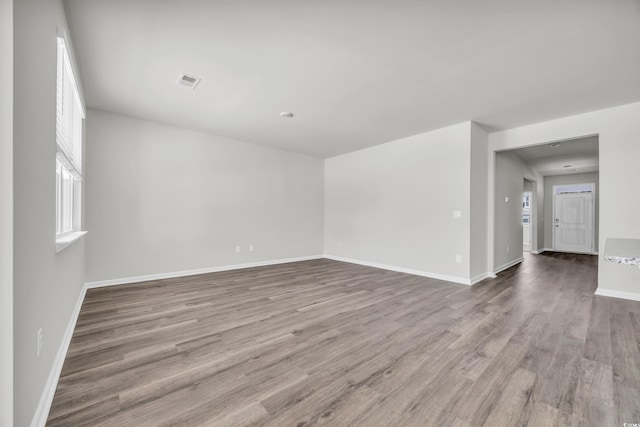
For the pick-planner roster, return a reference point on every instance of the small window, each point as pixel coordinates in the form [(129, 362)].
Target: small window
[(575, 188), (69, 117)]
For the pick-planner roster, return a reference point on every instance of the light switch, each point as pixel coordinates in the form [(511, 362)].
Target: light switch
[(506, 199), (457, 214)]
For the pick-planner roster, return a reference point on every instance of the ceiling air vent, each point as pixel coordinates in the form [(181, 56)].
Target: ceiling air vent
[(188, 81)]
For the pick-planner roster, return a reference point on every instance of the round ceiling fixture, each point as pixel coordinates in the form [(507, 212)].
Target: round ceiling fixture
[(286, 115)]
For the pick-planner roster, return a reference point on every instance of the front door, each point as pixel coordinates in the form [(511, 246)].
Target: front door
[(573, 222)]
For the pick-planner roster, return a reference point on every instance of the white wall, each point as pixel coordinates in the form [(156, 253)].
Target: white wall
[(479, 200), (392, 204), (578, 178), (619, 131), (162, 199), (6, 213), (46, 284), (508, 214)]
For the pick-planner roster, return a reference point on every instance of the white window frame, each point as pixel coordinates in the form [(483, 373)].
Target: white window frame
[(69, 145)]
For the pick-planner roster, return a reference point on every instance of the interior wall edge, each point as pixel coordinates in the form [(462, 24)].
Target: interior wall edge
[(6, 213)]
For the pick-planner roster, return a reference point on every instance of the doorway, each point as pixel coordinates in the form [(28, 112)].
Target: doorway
[(554, 163), (573, 213)]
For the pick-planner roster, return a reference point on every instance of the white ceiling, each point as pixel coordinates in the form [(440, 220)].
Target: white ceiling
[(355, 73), (568, 157)]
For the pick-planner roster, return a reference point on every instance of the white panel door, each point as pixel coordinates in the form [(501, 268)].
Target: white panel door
[(573, 222)]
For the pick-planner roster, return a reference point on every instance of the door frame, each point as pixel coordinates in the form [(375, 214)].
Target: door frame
[(593, 216)]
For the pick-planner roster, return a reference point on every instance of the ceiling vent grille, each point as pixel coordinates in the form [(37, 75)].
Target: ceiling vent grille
[(188, 80)]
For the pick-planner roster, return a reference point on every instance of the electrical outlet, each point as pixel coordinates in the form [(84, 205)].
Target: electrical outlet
[(458, 258), (237, 249), (39, 342), (250, 248), (457, 214)]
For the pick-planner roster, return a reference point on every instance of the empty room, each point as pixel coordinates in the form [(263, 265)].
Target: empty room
[(319, 213)]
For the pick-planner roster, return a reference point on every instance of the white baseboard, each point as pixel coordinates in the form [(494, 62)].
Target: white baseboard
[(618, 294), (173, 274), (46, 399), (481, 277), (455, 279), (508, 265)]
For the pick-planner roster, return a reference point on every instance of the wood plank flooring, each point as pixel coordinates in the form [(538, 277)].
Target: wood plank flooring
[(325, 343)]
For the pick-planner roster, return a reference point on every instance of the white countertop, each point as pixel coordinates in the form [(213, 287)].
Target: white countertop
[(623, 251)]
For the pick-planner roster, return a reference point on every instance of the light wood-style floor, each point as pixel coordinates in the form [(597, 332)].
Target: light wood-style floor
[(328, 343)]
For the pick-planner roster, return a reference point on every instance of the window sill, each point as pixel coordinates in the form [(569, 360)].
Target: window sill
[(68, 239)]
